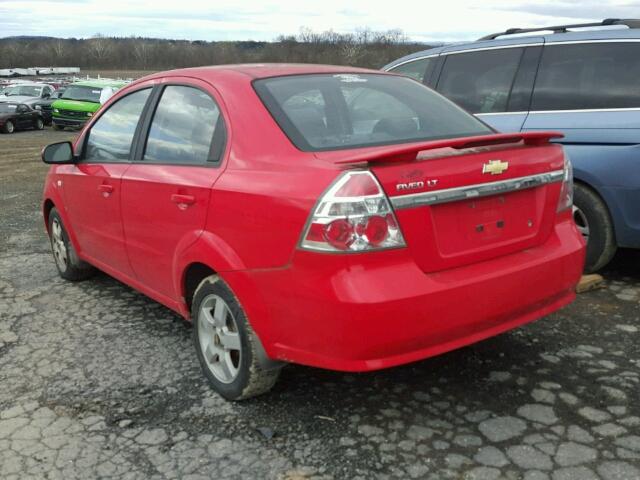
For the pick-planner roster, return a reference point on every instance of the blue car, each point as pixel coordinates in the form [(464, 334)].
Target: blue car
[(583, 82)]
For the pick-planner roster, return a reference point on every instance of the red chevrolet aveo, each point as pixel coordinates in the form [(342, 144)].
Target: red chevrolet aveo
[(334, 217)]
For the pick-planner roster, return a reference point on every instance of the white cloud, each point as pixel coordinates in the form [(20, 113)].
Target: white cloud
[(266, 19)]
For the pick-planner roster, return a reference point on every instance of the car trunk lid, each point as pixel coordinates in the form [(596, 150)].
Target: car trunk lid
[(461, 201)]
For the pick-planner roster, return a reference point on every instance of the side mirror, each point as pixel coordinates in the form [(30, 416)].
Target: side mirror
[(45, 95), (58, 153)]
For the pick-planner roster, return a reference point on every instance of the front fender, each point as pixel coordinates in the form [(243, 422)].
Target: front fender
[(53, 194)]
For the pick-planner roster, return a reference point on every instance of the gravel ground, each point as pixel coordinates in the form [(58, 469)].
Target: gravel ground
[(99, 381)]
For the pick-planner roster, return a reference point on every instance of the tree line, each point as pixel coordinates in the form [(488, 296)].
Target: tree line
[(364, 48)]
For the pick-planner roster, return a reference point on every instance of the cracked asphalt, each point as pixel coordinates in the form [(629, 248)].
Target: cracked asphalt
[(97, 381)]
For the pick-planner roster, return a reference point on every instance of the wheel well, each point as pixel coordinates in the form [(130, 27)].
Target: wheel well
[(595, 192), (48, 205), (601, 198), (193, 275), (583, 183)]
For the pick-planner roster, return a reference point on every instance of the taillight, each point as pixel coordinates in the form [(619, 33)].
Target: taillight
[(566, 192), (354, 215)]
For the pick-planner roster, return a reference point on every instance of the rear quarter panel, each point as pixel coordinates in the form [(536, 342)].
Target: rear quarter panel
[(260, 214), (613, 171), (604, 147), (262, 200)]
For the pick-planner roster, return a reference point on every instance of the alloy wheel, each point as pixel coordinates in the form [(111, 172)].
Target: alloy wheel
[(9, 127), (219, 338), (58, 245)]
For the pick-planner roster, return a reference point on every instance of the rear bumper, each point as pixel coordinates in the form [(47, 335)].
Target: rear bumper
[(67, 122), (372, 311)]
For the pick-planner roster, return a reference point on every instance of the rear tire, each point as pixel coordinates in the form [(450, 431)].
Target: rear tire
[(226, 344), (9, 127), (594, 222), (39, 124), (69, 266)]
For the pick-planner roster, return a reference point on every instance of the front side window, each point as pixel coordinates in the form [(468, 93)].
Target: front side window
[(415, 69), (480, 81), (588, 76), (110, 137), (183, 128), (338, 111), (8, 107)]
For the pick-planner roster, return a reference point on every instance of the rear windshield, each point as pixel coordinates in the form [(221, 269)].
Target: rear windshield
[(23, 90), (338, 111), (82, 93)]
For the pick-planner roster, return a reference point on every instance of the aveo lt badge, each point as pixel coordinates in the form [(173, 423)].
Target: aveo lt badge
[(415, 185)]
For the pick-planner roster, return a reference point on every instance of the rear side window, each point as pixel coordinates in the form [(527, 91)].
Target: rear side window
[(588, 76), (110, 138), (183, 127), (480, 81), (333, 112), (415, 69)]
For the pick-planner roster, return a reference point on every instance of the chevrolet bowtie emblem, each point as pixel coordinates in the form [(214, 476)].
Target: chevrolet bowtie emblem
[(495, 167)]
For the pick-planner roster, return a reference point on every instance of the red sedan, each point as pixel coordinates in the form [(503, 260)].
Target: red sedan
[(336, 217)]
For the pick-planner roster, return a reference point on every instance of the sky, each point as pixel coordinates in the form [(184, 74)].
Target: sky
[(423, 21)]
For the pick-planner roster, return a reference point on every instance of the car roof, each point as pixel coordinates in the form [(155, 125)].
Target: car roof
[(524, 39), (99, 83), (29, 84), (259, 70)]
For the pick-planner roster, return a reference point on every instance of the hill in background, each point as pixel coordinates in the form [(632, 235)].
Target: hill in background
[(363, 49)]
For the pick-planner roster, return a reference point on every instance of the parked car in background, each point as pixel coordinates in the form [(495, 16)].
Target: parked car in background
[(81, 100), (45, 106), (583, 83), (27, 93), (330, 216), (19, 116)]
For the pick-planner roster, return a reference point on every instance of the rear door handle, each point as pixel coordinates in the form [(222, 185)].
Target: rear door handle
[(183, 199), (106, 189)]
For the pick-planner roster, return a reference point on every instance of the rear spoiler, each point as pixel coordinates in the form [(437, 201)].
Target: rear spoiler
[(450, 146)]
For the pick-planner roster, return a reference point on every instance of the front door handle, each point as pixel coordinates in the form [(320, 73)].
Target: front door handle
[(105, 189), (183, 200)]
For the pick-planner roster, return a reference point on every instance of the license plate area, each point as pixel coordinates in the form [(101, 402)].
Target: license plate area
[(483, 223)]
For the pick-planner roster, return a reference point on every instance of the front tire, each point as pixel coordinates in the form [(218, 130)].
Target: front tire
[(9, 127), (226, 344), (69, 266), (58, 127), (594, 222)]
